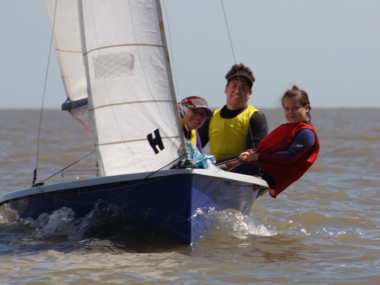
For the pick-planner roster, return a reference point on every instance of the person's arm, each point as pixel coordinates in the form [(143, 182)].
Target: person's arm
[(303, 143), (231, 164), (203, 132), (258, 130)]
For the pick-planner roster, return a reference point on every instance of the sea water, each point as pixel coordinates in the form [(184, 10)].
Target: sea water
[(324, 229)]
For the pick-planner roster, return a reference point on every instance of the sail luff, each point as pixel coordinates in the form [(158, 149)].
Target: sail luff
[(87, 76), (170, 74)]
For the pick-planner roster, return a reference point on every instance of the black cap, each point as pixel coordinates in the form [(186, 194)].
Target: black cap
[(243, 73)]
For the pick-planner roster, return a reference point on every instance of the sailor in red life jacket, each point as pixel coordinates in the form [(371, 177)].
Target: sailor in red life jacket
[(286, 153)]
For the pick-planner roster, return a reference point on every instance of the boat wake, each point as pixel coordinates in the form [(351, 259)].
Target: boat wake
[(62, 224), (232, 222)]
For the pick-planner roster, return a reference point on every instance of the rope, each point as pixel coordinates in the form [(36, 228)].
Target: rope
[(43, 100), (110, 189), (42, 182), (233, 54), (228, 31), (226, 161)]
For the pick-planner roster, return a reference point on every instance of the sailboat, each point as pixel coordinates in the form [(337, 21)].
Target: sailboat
[(115, 67)]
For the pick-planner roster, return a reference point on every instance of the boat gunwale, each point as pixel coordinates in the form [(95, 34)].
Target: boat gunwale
[(62, 186)]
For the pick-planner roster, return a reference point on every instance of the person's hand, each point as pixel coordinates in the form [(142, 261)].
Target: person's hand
[(232, 164), (247, 156), (243, 157)]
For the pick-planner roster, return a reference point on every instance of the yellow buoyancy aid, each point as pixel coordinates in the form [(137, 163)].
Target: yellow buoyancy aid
[(193, 137), (228, 137)]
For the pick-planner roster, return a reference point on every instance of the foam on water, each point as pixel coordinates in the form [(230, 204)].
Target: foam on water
[(232, 222)]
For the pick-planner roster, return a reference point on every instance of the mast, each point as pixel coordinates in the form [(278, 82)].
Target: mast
[(87, 76), (182, 150)]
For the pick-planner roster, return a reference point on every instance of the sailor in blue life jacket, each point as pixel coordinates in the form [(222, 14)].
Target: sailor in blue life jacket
[(288, 151), (236, 126), (193, 111)]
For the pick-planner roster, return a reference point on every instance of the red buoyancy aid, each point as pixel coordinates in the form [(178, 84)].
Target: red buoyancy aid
[(280, 139)]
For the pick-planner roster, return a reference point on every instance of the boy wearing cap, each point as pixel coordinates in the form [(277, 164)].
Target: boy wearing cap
[(236, 126)]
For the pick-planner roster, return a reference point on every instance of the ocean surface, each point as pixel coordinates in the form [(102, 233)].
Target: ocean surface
[(324, 229)]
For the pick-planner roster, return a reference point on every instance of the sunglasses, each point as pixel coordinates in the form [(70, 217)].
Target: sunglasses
[(199, 112)]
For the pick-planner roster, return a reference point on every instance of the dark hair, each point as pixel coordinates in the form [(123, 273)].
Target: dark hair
[(298, 94), (240, 67)]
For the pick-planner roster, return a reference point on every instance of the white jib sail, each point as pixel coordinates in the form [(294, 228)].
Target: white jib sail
[(64, 19), (131, 96)]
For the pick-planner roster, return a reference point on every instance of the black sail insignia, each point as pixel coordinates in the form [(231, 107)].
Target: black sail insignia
[(156, 141)]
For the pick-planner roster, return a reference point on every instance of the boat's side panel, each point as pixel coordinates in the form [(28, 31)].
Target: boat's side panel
[(210, 193), (227, 194), (163, 202), (168, 204)]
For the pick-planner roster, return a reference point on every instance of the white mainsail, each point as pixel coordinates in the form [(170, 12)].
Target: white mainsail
[(127, 75)]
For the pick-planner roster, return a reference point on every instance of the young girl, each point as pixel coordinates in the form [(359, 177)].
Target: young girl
[(285, 154), (194, 111)]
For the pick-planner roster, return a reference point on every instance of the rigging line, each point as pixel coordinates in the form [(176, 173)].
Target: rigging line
[(115, 188), (229, 37), (43, 95), (66, 167), (233, 54), (228, 31), (226, 161)]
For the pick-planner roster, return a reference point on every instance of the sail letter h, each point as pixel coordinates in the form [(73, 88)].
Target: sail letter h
[(157, 141)]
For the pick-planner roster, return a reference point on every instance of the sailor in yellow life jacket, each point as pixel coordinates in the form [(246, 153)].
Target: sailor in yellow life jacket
[(237, 126)]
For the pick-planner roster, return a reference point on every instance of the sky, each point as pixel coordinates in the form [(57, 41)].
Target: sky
[(331, 49)]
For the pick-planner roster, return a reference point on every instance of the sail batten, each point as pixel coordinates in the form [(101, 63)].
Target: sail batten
[(125, 45), (68, 51), (132, 102), (136, 140)]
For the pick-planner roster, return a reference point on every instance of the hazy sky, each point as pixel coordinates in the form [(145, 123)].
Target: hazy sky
[(330, 48)]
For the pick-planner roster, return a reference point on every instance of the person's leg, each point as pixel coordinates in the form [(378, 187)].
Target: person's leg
[(247, 169), (250, 169)]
